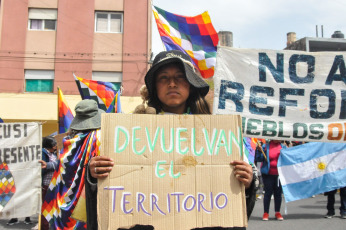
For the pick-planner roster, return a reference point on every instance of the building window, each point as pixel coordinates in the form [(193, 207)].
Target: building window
[(107, 22), (39, 81), (113, 77), (42, 19)]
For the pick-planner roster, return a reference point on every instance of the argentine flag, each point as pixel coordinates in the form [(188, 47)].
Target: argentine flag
[(312, 168)]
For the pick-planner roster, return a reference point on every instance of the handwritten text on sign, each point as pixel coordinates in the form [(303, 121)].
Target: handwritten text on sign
[(171, 164)]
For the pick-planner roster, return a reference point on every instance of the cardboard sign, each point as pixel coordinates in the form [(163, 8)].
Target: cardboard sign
[(171, 172)]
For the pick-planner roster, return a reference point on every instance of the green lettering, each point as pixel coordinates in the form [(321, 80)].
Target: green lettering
[(118, 129), (134, 140), (250, 130), (180, 139), (269, 128), (221, 141), (152, 144), (163, 144), (171, 173), (317, 130), (301, 126), (158, 168), (193, 144), (207, 140)]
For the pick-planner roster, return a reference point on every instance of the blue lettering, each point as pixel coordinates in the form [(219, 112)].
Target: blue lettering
[(292, 69), (284, 102), (313, 103), (235, 97), (264, 62), (268, 111), (338, 63), (343, 105)]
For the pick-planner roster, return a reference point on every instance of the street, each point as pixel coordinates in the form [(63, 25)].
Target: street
[(305, 214)]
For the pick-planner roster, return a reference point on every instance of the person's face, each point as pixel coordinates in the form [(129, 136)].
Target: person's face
[(53, 149), (172, 88)]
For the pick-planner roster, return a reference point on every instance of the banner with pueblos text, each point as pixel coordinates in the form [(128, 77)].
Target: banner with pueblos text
[(20, 171), (282, 94)]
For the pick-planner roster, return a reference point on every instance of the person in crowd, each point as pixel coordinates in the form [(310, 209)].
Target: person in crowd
[(81, 143), (49, 164), (13, 221), (269, 158), (172, 87), (260, 189), (331, 202)]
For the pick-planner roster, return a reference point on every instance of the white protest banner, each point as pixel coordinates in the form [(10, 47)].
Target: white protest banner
[(20, 172), (171, 172), (285, 95)]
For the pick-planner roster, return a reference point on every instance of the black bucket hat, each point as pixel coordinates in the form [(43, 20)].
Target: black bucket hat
[(88, 116), (167, 57)]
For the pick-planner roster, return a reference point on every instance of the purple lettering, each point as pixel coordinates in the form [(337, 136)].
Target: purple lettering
[(217, 199), (200, 202), (185, 203), (168, 203), (139, 200), (154, 198), (124, 202), (178, 194), (114, 189)]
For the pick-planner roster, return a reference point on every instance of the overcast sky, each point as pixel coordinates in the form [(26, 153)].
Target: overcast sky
[(262, 24)]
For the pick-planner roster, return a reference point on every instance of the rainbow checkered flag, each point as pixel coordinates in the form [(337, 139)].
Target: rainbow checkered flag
[(65, 115), (195, 36), (115, 106), (102, 92)]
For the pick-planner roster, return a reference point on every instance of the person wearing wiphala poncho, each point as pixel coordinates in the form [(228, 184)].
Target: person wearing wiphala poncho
[(66, 187), (172, 87)]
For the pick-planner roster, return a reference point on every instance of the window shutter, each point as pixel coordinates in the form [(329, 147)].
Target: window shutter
[(50, 14)]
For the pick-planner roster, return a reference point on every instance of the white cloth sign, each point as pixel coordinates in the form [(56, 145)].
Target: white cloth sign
[(20, 171), (282, 94)]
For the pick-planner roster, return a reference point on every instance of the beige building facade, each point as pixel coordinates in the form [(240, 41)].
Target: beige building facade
[(43, 43)]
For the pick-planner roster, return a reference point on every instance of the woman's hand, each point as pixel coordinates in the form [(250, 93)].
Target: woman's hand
[(100, 166), (43, 164), (243, 172)]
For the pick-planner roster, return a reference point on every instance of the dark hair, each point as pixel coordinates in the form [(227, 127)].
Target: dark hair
[(48, 142), (196, 102)]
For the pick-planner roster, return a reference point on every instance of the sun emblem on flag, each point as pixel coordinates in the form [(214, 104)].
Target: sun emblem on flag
[(321, 166)]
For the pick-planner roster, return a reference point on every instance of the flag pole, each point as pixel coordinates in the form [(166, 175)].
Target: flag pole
[(58, 109), (265, 157)]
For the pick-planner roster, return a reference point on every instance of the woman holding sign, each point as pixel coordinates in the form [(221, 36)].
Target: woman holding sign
[(173, 87)]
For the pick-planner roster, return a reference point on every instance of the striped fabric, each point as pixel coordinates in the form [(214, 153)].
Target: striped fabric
[(195, 36), (311, 169), (65, 115), (67, 183), (102, 92)]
